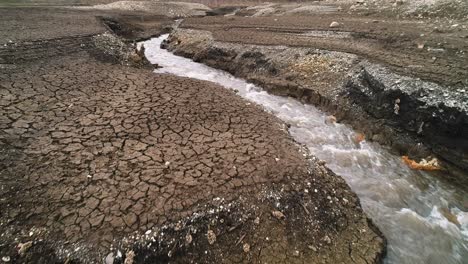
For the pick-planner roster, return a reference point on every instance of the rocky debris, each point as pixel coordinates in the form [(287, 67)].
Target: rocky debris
[(235, 236), (426, 110), (170, 9), (120, 51)]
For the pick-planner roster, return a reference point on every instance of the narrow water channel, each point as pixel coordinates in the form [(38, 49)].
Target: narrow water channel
[(411, 208)]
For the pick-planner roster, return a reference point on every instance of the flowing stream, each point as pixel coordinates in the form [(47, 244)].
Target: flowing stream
[(425, 220)]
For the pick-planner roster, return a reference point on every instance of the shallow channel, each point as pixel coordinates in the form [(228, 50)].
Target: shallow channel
[(409, 207)]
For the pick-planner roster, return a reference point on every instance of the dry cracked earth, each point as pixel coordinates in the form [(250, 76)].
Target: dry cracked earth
[(94, 152)]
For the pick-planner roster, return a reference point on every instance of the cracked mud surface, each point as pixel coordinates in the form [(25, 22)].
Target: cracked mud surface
[(95, 154), (108, 148)]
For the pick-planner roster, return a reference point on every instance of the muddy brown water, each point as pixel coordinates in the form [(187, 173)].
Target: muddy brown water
[(424, 219)]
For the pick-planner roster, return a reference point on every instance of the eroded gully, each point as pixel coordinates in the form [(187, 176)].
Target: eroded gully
[(424, 219)]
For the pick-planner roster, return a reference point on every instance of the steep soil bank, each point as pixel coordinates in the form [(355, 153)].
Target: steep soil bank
[(105, 162), (392, 109)]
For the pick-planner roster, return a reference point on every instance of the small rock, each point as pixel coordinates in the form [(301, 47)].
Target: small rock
[(6, 259), (312, 248), (129, 256), (246, 248), (211, 236), (110, 258), (135, 57), (327, 239), (330, 120), (334, 24), (296, 253), (278, 214), (23, 247), (257, 220), (188, 239), (420, 45)]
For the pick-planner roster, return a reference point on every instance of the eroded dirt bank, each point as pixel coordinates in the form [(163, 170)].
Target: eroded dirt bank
[(412, 99), (104, 161)]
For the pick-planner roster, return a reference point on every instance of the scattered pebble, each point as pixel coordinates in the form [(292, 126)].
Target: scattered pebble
[(278, 214), (312, 248), (188, 239), (334, 24), (246, 247), (211, 237), (257, 220), (6, 259)]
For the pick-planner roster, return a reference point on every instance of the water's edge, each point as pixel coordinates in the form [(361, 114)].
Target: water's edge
[(411, 208)]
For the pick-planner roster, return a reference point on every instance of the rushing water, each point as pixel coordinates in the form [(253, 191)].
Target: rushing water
[(406, 205)]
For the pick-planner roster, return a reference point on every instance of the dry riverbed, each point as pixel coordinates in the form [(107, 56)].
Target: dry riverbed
[(104, 161)]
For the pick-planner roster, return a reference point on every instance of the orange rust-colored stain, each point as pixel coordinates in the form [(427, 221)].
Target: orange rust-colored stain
[(359, 137), (419, 166)]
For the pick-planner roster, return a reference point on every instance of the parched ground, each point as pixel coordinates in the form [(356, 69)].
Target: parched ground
[(104, 162), (92, 148), (429, 49)]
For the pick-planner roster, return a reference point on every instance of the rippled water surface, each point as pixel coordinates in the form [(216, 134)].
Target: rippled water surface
[(409, 207)]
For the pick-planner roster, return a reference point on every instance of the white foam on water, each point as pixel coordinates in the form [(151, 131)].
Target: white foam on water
[(403, 203)]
